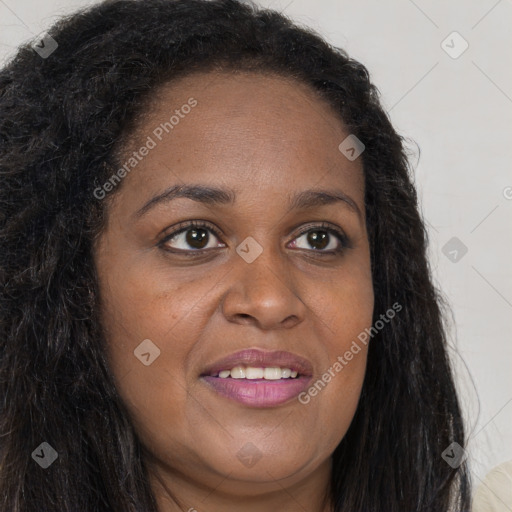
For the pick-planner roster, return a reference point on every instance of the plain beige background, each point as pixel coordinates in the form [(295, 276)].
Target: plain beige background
[(457, 106)]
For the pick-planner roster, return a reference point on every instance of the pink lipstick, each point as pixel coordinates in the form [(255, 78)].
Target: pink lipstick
[(259, 379)]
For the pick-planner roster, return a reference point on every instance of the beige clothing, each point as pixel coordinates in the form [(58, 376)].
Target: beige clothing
[(494, 494)]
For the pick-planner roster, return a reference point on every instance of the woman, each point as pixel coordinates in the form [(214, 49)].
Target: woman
[(215, 285)]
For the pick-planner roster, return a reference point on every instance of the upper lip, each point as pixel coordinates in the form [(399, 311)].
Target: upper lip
[(261, 359)]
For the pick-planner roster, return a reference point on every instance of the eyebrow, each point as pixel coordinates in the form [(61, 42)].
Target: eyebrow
[(213, 196)]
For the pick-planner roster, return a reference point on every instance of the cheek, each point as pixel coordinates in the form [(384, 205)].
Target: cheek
[(145, 319), (344, 306), (144, 303), (345, 312), (145, 314), (333, 393)]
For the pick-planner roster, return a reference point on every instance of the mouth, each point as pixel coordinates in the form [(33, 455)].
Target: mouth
[(259, 379)]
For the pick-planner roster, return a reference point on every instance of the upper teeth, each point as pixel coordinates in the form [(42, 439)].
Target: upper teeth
[(249, 372)]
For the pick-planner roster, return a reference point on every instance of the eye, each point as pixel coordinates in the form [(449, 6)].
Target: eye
[(193, 236), (324, 239)]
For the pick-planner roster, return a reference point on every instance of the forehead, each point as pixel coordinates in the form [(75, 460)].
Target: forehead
[(249, 131)]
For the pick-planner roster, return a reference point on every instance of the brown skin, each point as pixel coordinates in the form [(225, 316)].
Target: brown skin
[(267, 138)]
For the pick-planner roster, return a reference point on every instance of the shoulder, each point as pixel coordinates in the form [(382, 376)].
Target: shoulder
[(494, 494)]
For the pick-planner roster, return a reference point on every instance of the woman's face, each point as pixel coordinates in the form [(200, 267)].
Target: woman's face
[(246, 279)]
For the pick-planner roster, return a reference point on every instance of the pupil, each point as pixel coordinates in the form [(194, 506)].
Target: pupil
[(196, 236)]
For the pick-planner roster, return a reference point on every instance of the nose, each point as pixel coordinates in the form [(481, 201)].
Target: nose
[(264, 293)]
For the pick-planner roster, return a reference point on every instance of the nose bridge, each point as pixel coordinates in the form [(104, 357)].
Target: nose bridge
[(262, 264), (263, 287)]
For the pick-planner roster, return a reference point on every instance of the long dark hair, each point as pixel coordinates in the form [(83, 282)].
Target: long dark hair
[(62, 116)]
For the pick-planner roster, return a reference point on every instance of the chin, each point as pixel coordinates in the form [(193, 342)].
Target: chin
[(263, 465)]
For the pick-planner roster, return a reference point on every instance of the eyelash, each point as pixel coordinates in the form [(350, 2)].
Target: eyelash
[(185, 226)]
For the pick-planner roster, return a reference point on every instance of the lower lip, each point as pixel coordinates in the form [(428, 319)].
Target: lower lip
[(258, 392)]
